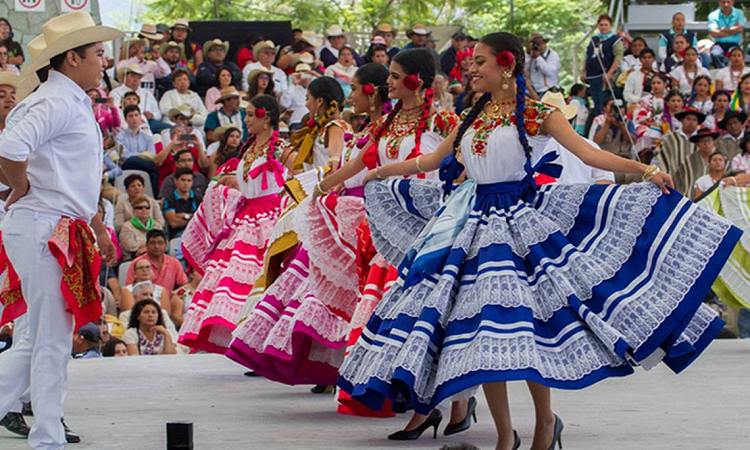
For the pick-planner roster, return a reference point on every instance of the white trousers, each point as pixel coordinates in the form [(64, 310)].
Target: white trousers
[(42, 344)]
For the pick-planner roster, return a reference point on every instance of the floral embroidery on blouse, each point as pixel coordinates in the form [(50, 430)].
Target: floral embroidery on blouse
[(534, 116), (442, 123)]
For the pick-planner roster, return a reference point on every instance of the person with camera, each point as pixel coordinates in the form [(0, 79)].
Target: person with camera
[(542, 63), (613, 132), (180, 138), (603, 56)]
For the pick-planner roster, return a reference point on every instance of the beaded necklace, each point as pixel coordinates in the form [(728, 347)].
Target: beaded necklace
[(255, 151)]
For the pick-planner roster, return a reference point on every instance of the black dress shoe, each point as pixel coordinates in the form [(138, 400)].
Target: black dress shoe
[(16, 424), (70, 436), (251, 374), (27, 411), (323, 389)]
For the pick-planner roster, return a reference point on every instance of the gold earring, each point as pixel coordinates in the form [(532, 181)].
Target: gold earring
[(507, 74), (265, 126), (371, 98)]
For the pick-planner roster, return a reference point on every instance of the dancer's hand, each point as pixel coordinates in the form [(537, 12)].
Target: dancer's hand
[(663, 180), (17, 194), (229, 181), (107, 249), (371, 175)]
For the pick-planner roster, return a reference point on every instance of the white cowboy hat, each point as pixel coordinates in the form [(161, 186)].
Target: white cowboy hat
[(10, 79), (228, 92), (258, 72), (133, 68), (419, 29), (172, 44), (208, 45), (68, 31), (183, 110), (263, 45), (311, 38), (302, 67), (181, 23), (334, 31), (29, 79), (557, 100), (149, 31)]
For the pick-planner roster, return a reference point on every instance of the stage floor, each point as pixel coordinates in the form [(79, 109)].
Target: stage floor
[(124, 403)]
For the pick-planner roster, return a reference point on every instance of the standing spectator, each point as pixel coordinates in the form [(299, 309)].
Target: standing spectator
[(151, 64), (580, 100), (182, 204), (182, 95), (227, 148), (229, 113), (222, 81), (265, 53), (216, 53), (260, 82), (4, 65), (146, 101), (728, 77), (603, 56), (459, 41), (725, 25), (180, 33), (343, 71), (378, 52), (419, 35), (734, 126), (86, 342), (133, 233), (329, 54), (666, 39), (679, 45), (639, 82), (684, 75), (388, 34), (184, 159), (173, 55), (15, 51), (459, 75), (146, 333), (543, 64), (168, 272), (137, 147), (134, 188), (245, 52)]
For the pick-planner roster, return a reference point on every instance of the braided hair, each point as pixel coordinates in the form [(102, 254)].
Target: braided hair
[(500, 42)]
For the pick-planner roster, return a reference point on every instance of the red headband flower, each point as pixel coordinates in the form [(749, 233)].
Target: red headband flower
[(312, 123), (368, 89), (411, 82), (505, 58), (260, 113)]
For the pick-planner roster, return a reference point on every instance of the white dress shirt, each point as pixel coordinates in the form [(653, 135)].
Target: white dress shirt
[(55, 130), (634, 87), (148, 101), (544, 70), (280, 84), (294, 100), (173, 99)]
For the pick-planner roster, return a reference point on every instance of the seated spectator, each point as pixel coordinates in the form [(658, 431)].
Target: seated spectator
[(133, 233), (185, 159), (137, 150), (173, 55), (676, 147), (679, 46), (86, 342), (183, 296), (182, 116), (228, 148), (146, 101), (106, 113), (132, 98), (265, 53), (168, 272), (143, 291), (733, 125), (146, 333), (700, 96), (685, 74), (108, 276), (134, 187), (181, 138), (115, 348), (109, 304), (294, 98), (148, 60), (696, 164), (639, 82), (741, 97), (303, 47), (459, 75), (717, 168), (442, 99), (726, 25), (182, 204), (720, 100), (449, 58), (260, 83), (215, 52), (15, 51), (343, 71), (4, 65), (378, 53), (180, 33), (110, 172), (728, 78), (335, 41), (612, 131), (229, 114), (741, 162), (690, 119), (143, 273), (245, 52), (580, 100), (222, 81), (182, 95)]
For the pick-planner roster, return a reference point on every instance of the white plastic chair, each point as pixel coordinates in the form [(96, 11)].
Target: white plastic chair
[(122, 273), (148, 189)]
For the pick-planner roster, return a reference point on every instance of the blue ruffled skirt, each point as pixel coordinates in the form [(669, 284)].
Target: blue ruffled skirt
[(572, 285)]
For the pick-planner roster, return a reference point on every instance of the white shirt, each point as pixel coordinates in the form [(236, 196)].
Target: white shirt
[(212, 147), (294, 100), (55, 130), (338, 70), (173, 99), (280, 84), (576, 171), (686, 81), (153, 70), (634, 87), (730, 78), (544, 70), (148, 101), (704, 183)]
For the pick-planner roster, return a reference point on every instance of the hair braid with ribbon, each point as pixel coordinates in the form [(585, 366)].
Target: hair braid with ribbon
[(520, 114)]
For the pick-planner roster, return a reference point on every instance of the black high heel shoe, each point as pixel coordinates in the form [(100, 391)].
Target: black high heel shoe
[(433, 420), (557, 437), (516, 441), (471, 412), (323, 389)]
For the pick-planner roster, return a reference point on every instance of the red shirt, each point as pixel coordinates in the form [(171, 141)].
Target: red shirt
[(244, 56), (168, 167), (169, 276)]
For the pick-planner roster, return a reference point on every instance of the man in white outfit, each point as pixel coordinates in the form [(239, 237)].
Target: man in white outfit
[(50, 156)]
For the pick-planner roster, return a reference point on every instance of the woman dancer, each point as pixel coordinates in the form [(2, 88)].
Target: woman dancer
[(226, 240), (508, 281)]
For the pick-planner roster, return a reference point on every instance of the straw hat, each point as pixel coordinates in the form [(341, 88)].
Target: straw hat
[(302, 67), (219, 132), (263, 45), (133, 68), (68, 31), (208, 45), (255, 73), (148, 31), (29, 80), (182, 110), (226, 93), (311, 38), (10, 79), (386, 28), (181, 23), (334, 31), (172, 44), (557, 100), (377, 40), (418, 29)]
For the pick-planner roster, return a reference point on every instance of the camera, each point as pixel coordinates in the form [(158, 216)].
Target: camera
[(536, 47)]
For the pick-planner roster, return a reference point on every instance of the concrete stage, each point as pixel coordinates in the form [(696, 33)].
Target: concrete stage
[(124, 403)]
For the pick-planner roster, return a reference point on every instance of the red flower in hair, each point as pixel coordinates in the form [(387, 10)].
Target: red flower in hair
[(505, 58), (682, 53), (368, 89), (260, 113), (312, 123), (411, 82)]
